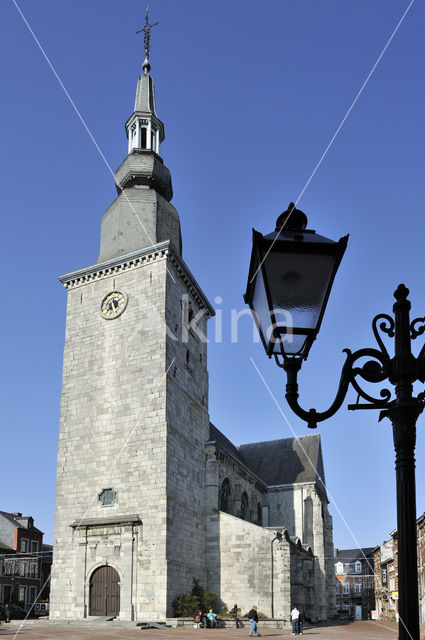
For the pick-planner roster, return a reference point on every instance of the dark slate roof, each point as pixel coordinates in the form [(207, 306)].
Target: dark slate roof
[(351, 555), (278, 462), (5, 547), (223, 442), (286, 461), (14, 520)]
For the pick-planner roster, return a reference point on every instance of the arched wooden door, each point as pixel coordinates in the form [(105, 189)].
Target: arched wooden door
[(104, 592)]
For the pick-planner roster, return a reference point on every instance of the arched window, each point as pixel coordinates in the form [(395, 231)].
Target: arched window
[(225, 496), (244, 506), (259, 514)]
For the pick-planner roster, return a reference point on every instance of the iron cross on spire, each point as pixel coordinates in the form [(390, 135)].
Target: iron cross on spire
[(147, 38)]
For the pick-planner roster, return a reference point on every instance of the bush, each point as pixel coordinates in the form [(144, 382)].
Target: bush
[(260, 614), (209, 601), (197, 589), (186, 605)]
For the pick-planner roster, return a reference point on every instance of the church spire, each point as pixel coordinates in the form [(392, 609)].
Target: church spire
[(144, 129), (142, 215)]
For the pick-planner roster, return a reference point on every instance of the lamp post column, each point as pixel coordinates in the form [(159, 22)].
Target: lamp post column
[(403, 415)]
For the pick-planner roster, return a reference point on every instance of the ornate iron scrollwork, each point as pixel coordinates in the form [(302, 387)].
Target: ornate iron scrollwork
[(377, 368), (414, 333)]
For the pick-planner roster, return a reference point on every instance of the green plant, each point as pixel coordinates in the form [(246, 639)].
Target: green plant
[(197, 589), (186, 605), (209, 601), (260, 614)]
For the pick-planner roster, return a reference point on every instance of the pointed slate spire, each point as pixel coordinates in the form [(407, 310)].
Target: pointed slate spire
[(142, 214), (144, 129)]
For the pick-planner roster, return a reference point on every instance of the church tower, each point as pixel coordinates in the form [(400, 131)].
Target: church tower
[(129, 520)]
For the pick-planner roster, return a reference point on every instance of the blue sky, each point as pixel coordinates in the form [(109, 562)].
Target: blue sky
[(251, 94)]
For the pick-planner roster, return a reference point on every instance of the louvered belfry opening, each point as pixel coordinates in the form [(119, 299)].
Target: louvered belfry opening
[(104, 592)]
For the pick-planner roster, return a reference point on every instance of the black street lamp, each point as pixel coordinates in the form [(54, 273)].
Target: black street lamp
[(290, 277)]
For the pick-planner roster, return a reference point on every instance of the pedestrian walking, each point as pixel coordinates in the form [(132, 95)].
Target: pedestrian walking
[(295, 614), (253, 621)]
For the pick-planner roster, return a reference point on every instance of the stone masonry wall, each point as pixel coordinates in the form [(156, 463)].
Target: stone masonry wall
[(302, 510), (187, 432), (244, 558), (240, 481), (113, 434), (330, 564)]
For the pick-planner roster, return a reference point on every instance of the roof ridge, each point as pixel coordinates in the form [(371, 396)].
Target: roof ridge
[(308, 435)]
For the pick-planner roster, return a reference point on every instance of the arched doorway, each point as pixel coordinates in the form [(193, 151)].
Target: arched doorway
[(104, 592)]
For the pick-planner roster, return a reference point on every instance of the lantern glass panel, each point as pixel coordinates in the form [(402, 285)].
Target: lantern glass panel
[(298, 283), (261, 307), (293, 343)]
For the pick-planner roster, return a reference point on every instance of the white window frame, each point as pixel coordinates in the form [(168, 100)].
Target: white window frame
[(339, 567), (345, 588), (358, 566), (22, 589), (357, 587)]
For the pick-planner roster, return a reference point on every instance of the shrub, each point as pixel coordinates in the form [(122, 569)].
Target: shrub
[(197, 589), (209, 601), (260, 614), (186, 605)]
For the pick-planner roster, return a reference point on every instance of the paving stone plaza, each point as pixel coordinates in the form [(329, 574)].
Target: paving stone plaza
[(351, 631)]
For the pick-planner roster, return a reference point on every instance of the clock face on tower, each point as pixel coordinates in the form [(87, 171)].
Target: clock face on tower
[(113, 305)]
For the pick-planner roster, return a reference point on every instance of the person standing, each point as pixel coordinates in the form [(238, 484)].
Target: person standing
[(300, 623), (234, 614), (253, 621), (295, 614)]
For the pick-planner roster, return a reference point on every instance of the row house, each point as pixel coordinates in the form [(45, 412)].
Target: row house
[(355, 598), (386, 579), (20, 559), (421, 566)]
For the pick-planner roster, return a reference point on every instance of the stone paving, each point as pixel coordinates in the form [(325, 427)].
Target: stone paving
[(367, 630)]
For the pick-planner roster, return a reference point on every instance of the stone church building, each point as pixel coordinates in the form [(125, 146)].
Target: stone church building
[(149, 493)]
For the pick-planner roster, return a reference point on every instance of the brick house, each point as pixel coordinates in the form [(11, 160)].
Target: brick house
[(20, 559), (355, 596), (421, 566)]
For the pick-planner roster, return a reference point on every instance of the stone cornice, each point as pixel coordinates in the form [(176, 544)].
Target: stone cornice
[(134, 260), (101, 522), (242, 468)]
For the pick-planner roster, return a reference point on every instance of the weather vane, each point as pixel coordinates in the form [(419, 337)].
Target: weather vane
[(147, 38)]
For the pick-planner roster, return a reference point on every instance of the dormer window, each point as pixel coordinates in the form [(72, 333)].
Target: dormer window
[(358, 567), (339, 567)]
